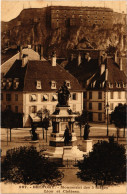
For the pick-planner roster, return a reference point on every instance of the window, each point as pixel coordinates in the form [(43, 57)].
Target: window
[(99, 95), (90, 106), (68, 84), (38, 85), (8, 107), (99, 106), (8, 97), (54, 97), (111, 95), (33, 98), (33, 109), (3, 83), (53, 84), (16, 109), (118, 85), (8, 83), (99, 116), (45, 97), (124, 85), (119, 95), (16, 97), (74, 96), (16, 83), (90, 95), (111, 106), (85, 95), (110, 85)]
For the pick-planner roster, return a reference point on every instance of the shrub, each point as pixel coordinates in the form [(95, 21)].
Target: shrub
[(26, 165), (106, 164)]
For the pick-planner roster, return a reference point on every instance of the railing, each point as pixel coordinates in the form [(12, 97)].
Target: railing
[(70, 163)]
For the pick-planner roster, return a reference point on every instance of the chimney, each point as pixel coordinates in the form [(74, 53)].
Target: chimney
[(79, 59), (41, 52), (53, 59), (106, 75), (20, 52), (121, 64), (24, 60), (115, 56), (102, 69)]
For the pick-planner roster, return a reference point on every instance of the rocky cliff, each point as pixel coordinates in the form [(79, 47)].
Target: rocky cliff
[(30, 27)]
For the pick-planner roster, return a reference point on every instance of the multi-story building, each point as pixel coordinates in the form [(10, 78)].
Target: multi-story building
[(105, 90), (31, 85)]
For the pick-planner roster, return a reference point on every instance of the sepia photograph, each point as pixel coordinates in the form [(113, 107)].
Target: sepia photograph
[(63, 96)]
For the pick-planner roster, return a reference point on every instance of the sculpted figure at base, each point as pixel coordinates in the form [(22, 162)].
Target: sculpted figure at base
[(67, 136)]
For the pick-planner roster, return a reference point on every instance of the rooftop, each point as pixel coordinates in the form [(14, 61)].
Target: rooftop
[(41, 71)]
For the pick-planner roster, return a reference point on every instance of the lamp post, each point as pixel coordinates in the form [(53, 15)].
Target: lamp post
[(107, 107)]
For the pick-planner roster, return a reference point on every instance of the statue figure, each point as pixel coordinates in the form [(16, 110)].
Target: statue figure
[(67, 136), (86, 131), (63, 95), (34, 134)]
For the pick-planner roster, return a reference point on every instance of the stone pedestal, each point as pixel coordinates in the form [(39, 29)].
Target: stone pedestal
[(72, 153), (87, 145), (57, 150)]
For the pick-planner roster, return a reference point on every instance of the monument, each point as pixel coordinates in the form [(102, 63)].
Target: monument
[(63, 138)]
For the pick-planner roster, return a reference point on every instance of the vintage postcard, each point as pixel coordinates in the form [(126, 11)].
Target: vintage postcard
[(63, 96)]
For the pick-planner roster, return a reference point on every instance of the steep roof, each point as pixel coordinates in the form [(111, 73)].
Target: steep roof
[(84, 71), (32, 55), (44, 72), (114, 76)]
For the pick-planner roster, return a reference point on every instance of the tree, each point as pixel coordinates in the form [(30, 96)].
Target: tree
[(26, 165), (44, 114), (8, 120), (106, 164), (118, 117), (82, 120)]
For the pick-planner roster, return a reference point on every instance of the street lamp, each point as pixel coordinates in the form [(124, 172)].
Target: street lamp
[(107, 107)]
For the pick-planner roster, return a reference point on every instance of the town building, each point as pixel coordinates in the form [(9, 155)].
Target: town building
[(31, 85), (106, 89), (103, 79)]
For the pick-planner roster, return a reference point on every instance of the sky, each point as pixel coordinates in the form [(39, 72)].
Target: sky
[(12, 8)]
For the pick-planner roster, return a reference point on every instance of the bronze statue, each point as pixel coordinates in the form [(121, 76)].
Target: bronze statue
[(67, 136), (63, 95), (86, 131)]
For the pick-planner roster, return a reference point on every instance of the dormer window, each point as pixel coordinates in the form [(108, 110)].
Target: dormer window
[(38, 85), (45, 97), (33, 97), (54, 97), (68, 84), (15, 83), (110, 85), (53, 84), (8, 83), (124, 85), (118, 85), (3, 83)]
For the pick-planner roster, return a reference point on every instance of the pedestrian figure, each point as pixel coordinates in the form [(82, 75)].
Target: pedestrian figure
[(34, 134), (67, 136), (86, 131)]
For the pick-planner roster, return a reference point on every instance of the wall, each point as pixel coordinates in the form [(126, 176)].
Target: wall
[(13, 103), (82, 16), (106, 96), (49, 104)]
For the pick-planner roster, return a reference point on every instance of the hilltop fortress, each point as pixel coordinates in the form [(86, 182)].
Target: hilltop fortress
[(65, 16), (66, 27)]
